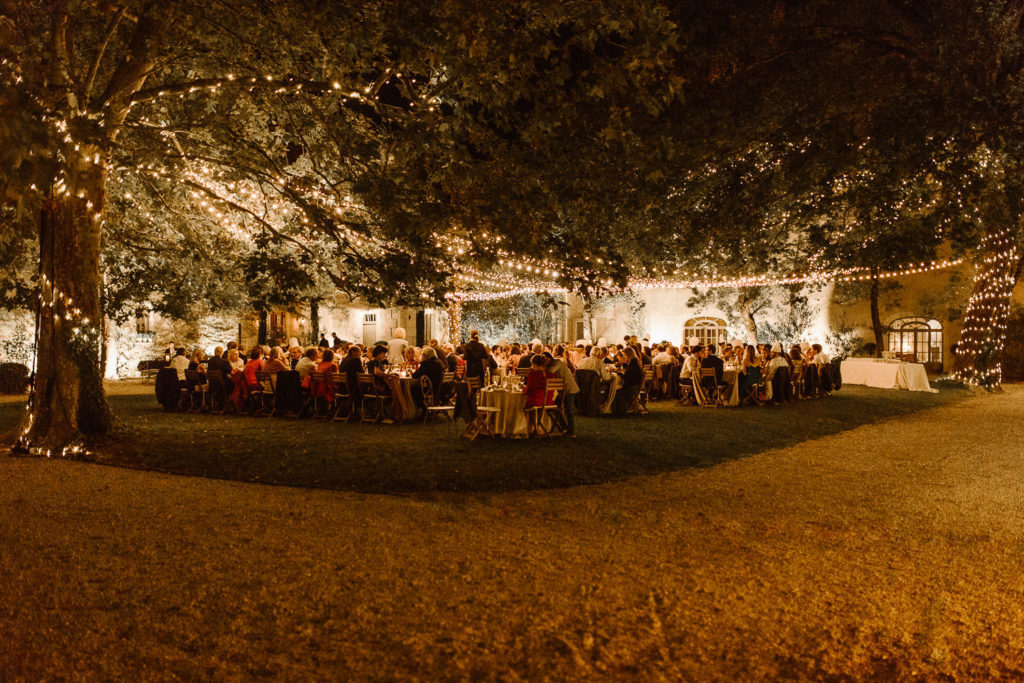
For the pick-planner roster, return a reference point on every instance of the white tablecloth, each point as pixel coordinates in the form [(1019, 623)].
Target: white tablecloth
[(511, 421), (885, 374)]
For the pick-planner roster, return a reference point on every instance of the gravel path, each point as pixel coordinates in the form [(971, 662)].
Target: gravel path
[(892, 550)]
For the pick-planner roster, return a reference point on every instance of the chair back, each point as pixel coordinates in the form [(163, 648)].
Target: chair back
[(554, 391), (473, 383), (367, 387), (428, 391), (340, 384), (590, 392), (266, 382), (708, 373), (192, 379), (523, 372), (447, 377)]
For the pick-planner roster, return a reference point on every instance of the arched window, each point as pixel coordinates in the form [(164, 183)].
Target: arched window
[(920, 338), (707, 330)]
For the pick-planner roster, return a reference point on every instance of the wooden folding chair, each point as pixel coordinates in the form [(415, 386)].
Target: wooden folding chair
[(523, 372), (431, 407), (712, 390), (551, 406), (342, 398), (645, 390), (263, 394), (218, 391), (373, 395), (195, 385)]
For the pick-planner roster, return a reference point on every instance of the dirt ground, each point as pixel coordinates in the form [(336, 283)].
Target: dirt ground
[(893, 550)]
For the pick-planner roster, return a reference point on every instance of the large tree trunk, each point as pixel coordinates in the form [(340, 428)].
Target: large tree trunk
[(979, 352), (747, 316), (314, 321), (68, 401), (261, 331), (876, 318)]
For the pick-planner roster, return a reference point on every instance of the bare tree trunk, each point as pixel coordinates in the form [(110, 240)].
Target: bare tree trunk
[(68, 402), (749, 324), (261, 331), (314, 321), (876, 318), (979, 353)]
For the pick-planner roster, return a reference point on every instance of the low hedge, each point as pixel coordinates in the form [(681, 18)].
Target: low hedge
[(13, 378)]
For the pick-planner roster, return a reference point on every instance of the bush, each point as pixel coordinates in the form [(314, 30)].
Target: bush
[(13, 378)]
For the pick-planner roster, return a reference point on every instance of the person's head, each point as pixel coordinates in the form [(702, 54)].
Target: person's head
[(354, 351), (596, 352), (710, 350), (629, 354), (256, 353), (448, 349), (538, 348), (474, 335), (219, 351), (334, 335), (794, 352), (311, 353), (179, 352), (197, 356), (276, 353), (460, 349), (399, 333), (817, 348), (559, 351), (697, 350), (428, 352), (539, 361), (232, 345), (328, 356), (323, 335), (295, 352), (726, 352), (410, 353), (625, 339), (232, 355), (379, 352)]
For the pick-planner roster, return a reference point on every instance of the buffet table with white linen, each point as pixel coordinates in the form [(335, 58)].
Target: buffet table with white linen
[(885, 374)]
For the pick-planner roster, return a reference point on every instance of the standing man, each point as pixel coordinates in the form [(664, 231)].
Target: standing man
[(476, 356), (572, 390)]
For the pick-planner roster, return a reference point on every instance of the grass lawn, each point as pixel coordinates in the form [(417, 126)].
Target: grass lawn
[(414, 458)]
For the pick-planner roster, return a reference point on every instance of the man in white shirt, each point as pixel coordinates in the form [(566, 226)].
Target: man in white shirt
[(662, 357), (179, 363), (820, 357), (306, 364)]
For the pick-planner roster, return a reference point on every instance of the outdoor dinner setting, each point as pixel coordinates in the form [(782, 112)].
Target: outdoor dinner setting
[(560, 341)]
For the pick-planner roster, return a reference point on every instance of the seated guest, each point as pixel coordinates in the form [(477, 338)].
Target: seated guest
[(536, 382), (196, 361), (595, 362), (180, 363), (632, 380), (662, 355), (750, 370), (431, 368), (710, 360), (691, 365), (306, 365), (294, 355), (560, 355), (326, 363), (378, 364), (727, 354), (235, 361), (778, 360), (449, 358), (352, 366), (218, 362), (412, 357), (276, 363), (254, 365)]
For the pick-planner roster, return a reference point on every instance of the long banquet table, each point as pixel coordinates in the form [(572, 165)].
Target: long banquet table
[(885, 374)]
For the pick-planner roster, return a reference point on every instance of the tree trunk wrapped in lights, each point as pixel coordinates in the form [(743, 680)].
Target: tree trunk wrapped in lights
[(455, 321), (979, 352), (68, 399)]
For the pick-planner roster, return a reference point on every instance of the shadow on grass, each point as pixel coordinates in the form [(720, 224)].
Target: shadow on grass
[(415, 458)]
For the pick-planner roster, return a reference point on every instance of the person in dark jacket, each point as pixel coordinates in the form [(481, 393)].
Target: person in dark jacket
[(476, 356), (324, 344), (351, 366), (431, 368), (712, 361)]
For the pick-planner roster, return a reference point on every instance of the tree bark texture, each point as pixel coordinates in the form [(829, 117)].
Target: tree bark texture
[(746, 314), (876, 318), (978, 359), (68, 402)]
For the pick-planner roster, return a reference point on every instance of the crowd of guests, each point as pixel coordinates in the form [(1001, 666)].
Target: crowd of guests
[(618, 369)]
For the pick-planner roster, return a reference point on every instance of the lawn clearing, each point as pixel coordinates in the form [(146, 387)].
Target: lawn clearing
[(415, 458)]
